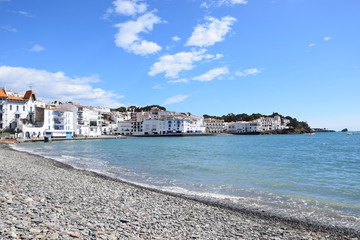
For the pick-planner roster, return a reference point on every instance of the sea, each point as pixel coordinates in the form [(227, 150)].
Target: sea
[(312, 178)]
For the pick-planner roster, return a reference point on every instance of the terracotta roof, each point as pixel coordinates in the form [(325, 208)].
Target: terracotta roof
[(2, 93), (16, 98), (28, 94), (26, 97)]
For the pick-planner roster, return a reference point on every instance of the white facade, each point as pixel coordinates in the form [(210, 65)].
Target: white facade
[(175, 124), (16, 109), (243, 127), (272, 123), (56, 122), (214, 125), (87, 121), (130, 127)]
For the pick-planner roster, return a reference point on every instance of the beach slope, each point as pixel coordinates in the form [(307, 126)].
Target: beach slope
[(42, 198)]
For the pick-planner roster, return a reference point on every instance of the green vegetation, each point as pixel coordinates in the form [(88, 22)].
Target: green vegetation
[(137, 109)]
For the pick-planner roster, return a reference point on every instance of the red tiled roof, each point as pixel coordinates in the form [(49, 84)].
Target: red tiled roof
[(16, 98), (26, 97), (28, 94), (2, 93)]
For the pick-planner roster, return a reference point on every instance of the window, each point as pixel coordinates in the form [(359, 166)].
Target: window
[(30, 109), (17, 108), (23, 108), (17, 115), (10, 107)]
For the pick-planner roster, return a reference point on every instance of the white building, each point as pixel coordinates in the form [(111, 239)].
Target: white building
[(130, 127), (16, 109), (56, 123), (214, 125), (162, 125), (87, 121), (272, 123), (243, 127)]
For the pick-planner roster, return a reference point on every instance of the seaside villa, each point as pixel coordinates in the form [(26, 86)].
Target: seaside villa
[(16, 109)]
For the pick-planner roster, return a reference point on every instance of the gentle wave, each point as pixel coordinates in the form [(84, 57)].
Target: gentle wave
[(303, 206)]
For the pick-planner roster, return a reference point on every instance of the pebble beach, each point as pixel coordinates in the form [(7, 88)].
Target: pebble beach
[(44, 199)]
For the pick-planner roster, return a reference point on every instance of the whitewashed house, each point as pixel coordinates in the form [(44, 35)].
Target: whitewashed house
[(213, 125), (243, 127), (272, 123), (130, 127), (87, 121), (16, 109), (56, 123)]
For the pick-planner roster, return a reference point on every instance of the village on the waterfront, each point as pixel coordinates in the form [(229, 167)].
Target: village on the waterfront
[(27, 117)]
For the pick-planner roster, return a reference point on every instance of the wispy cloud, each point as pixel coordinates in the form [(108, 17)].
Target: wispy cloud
[(26, 14), (215, 73), (157, 86), (175, 99), (9, 28), (211, 32), (327, 38), (311, 45), (127, 7), (250, 71), (37, 48), (63, 88), (219, 3), (128, 35), (172, 65), (182, 80)]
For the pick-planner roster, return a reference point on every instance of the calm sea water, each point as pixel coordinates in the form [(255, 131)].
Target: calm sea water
[(309, 177)]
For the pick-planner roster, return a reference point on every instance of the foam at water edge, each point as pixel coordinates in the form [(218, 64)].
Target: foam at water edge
[(292, 208)]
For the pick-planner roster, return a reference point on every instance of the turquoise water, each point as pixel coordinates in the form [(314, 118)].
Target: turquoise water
[(310, 177)]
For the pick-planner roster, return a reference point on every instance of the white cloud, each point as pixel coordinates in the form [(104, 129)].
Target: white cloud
[(172, 65), (250, 71), (9, 28), (57, 86), (219, 3), (176, 38), (128, 35), (37, 48), (157, 86), (26, 14), (209, 33), (311, 45), (212, 74), (327, 38), (182, 80), (175, 99), (128, 7)]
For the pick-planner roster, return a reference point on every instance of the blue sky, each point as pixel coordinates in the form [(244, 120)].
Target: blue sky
[(296, 57)]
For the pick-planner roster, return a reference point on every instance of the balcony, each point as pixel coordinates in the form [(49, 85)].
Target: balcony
[(59, 114), (58, 121)]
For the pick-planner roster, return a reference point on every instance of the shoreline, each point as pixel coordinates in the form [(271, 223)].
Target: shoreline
[(261, 225)]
